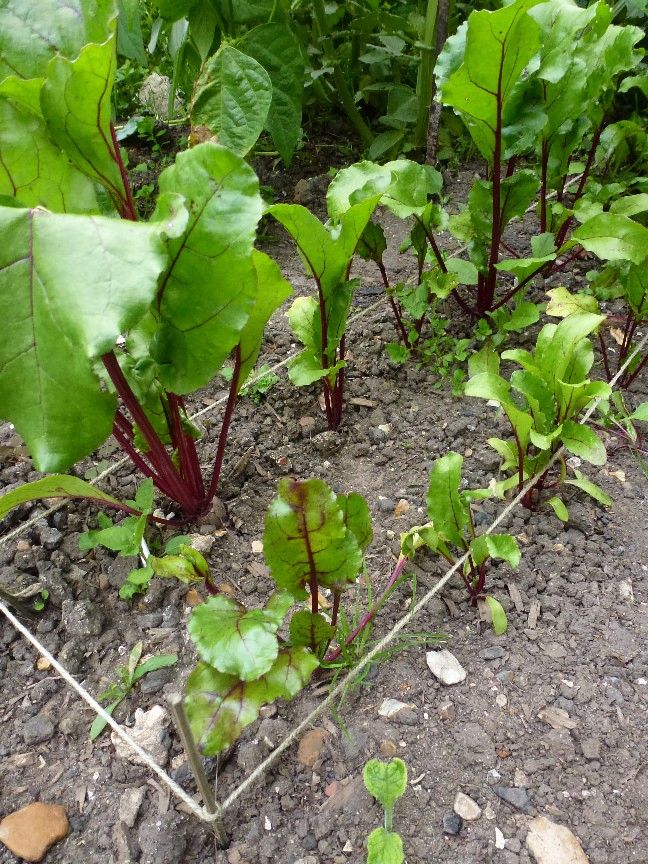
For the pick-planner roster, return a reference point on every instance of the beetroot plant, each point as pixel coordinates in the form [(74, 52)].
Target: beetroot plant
[(111, 324)]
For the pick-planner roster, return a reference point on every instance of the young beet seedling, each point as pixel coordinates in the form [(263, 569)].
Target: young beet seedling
[(451, 533), (387, 782), (542, 402), (127, 677)]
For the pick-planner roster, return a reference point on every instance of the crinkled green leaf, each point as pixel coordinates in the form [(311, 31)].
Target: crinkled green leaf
[(220, 706), (69, 286), (75, 100), (276, 48), (614, 238), (54, 486), (306, 541), (630, 205), (584, 442), (235, 640), (503, 547), (498, 615), (187, 565), (207, 293), (563, 303), (445, 508), (310, 630), (357, 517), (386, 781), (232, 98), (384, 847), (32, 31)]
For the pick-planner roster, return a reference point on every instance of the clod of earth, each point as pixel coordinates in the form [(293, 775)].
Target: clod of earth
[(31, 831)]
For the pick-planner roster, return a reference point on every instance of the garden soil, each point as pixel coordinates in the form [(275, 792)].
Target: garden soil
[(550, 720)]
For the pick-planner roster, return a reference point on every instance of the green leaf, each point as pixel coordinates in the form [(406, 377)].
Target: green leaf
[(581, 482), (403, 186), (305, 322), (125, 537), (306, 369), (474, 76), (306, 541), (584, 442), (558, 506), (173, 10), (55, 486), (502, 547), (206, 295), (69, 286), (446, 510), (386, 781), (563, 303), (465, 271), (272, 290), (144, 496), (384, 847), (523, 315), (234, 640), (357, 517), (32, 167), (220, 706), (160, 661), (310, 630), (99, 723), (630, 205), (614, 238), (498, 615), (275, 47), (187, 566), (35, 30), (76, 105), (641, 413), (232, 98), (130, 42), (418, 536)]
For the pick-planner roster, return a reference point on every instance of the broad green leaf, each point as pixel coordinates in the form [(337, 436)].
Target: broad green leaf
[(641, 413), (187, 566), (305, 322), (417, 537), (173, 10), (232, 98), (306, 368), (498, 615), (69, 286), (75, 100), (206, 295), (630, 205), (357, 517), (498, 46), (517, 192), (235, 640), (465, 271), (522, 268), (384, 847), (32, 167), (386, 781), (310, 630), (125, 537), (32, 31), (584, 442), (502, 547), (446, 510), (484, 360), (130, 42), (563, 303), (276, 48), (272, 290), (523, 315), (639, 81), (558, 506), (316, 247), (55, 486), (557, 346), (220, 706), (581, 482), (306, 542), (614, 238)]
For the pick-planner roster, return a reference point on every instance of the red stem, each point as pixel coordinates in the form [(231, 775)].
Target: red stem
[(368, 617), (127, 209), (543, 183), (227, 419), (189, 465), (604, 355)]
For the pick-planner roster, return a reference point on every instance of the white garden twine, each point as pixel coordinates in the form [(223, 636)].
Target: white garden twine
[(201, 812)]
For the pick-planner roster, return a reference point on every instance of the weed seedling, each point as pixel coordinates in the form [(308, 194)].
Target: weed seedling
[(387, 782), (127, 677)]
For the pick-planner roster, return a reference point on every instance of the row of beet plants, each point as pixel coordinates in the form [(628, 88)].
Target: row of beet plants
[(111, 323)]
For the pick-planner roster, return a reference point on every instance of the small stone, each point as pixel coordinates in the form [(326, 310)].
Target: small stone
[(500, 842), (501, 700), (392, 709), (550, 843), (591, 748), (150, 732), (385, 505), (31, 831), (309, 859), (445, 666), (311, 746), (43, 664), (493, 652), (257, 547), (518, 798), (557, 718), (202, 543), (466, 808), (37, 729), (452, 823), (388, 749), (129, 805), (447, 711)]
